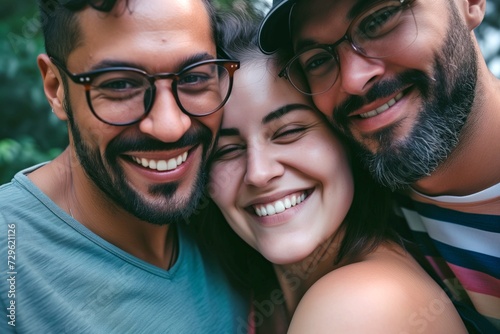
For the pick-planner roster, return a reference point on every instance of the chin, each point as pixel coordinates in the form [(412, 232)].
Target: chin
[(287, 259)]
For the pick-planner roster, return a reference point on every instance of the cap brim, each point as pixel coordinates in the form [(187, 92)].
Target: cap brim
[(274, 30)]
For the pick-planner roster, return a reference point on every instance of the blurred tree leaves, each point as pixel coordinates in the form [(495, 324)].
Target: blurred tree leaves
[(30, 133)]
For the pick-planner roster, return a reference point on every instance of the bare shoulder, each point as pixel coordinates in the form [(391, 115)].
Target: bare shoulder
[(385, 293)]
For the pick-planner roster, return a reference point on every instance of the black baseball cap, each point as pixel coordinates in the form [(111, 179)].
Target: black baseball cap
[(274, 32)]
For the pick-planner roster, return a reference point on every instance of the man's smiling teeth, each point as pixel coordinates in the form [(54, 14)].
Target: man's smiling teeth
[(162, 165), (283, 204), (382, 108)]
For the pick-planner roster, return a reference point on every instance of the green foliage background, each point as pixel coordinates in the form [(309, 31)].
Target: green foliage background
[(29, 132)]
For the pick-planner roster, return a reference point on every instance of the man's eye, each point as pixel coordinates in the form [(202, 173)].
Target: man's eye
[(379, 23), (192, 78), (118, 90), (122, 84), (317, 63), (120, 81)]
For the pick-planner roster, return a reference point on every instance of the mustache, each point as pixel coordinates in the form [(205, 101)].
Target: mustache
[(193, 137), (380, 90)]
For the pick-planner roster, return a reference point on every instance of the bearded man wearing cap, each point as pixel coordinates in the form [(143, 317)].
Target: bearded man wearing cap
[(405, 81)]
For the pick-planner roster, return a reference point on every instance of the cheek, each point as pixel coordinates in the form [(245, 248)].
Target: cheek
[(324, 102), (223, 183), (335, 174), (212, 121), (324, 145), (98, 135), (343, 188), (92, 131)]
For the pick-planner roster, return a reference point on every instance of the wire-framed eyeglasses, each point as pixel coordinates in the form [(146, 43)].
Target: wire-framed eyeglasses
[(382, 30)]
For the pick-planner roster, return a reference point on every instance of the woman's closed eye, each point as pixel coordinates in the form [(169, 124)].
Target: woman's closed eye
[(289, 133), (229, 151)]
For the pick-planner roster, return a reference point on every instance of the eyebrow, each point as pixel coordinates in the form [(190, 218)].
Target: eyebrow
[(194, 59), (280, 112), (273, 115), (229, 132), (356, 9), (305, 43), (107, 63)]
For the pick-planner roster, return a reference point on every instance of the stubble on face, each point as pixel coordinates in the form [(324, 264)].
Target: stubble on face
[(447, 101), (107, 174)]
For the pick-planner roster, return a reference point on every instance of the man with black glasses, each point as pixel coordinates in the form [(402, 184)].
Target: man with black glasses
[(405, 80), (96, 240)]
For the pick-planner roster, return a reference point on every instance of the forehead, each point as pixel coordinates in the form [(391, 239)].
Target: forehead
[(257, 91), (311, 17), (331, 9), (153, 31)]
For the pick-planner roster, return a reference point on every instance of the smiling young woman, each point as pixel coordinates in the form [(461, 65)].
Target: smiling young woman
[(319, 248)]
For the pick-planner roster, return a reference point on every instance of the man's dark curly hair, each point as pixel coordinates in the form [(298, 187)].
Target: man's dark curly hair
[(61, 30)]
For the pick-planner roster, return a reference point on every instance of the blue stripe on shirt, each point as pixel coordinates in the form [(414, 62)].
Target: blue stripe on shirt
[(490, 223), (476, 261)]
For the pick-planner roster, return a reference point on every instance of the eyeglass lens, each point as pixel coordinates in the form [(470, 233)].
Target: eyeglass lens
[(381, 31), (124, 96)]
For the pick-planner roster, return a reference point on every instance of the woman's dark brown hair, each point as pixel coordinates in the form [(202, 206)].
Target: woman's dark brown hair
[(365, 226)]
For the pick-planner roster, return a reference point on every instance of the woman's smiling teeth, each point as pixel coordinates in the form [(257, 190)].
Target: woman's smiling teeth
[(382, 108), (279, 206), (161, 165)]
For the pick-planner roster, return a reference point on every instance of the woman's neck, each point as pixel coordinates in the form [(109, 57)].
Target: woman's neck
[(296, 278)]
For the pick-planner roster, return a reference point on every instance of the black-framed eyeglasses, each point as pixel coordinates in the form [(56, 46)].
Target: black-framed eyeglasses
[(382, 30), (125, 95)]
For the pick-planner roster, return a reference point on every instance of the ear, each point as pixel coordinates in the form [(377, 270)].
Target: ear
[(474, 11), (52, 85)]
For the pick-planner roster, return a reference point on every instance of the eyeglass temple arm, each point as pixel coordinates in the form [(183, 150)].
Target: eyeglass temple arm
[(73, 77)]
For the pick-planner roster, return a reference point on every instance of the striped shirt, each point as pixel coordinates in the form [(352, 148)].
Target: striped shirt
[(460, 238)]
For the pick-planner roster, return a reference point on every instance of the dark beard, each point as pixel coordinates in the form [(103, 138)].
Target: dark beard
[(108, 176), (448, 99)]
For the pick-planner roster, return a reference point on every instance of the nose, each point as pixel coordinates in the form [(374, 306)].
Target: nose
[(357, 72), (263, 166), (165, 121)]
